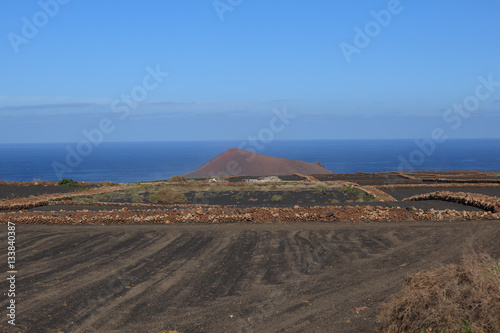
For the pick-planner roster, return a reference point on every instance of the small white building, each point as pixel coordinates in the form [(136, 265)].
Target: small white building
[(268, 179)]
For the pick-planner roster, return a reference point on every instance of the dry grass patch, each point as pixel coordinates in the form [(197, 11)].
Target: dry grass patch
[(452, 298), (277, 198), (169, 196), (178, 179)]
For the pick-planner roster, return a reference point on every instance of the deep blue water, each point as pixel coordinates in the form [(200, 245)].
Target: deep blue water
[(143, 161)]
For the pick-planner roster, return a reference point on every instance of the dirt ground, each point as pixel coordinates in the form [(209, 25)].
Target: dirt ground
[(233, 277), (427, 204), (15, 191), (293, 277)]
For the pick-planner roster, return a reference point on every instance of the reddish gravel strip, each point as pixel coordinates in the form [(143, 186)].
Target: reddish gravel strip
[(481, 201), (309, 178), (229, 215), (455, 180), (448, 185), (378, 194)]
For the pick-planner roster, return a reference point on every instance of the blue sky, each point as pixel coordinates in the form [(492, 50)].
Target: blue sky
[(231, 63)]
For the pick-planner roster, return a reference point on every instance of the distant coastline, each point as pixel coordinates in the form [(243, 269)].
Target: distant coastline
[(146, 161)]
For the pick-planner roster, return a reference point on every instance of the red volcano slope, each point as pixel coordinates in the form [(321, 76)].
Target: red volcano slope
[(242, 162)]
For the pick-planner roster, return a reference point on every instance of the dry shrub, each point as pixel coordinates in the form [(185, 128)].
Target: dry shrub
[(178, 179), (277, 198), (452, 298), (167, 195)]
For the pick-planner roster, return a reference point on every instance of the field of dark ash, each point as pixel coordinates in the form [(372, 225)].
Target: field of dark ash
[(243, 277), (302, 255)]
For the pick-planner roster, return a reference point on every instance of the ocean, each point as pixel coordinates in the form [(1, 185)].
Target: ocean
[(146, 161)]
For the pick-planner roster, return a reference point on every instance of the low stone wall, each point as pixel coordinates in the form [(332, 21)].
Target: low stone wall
[(481, 201), (231, 215)]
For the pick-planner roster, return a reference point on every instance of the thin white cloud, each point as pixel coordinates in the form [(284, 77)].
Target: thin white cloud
[(169, 103), (29, 107)]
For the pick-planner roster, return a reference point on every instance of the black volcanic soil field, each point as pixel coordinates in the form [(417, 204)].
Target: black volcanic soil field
[(231, 277), (295, 277), (16, 191)]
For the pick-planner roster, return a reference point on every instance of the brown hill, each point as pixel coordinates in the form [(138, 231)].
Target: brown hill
[(243, 162)]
